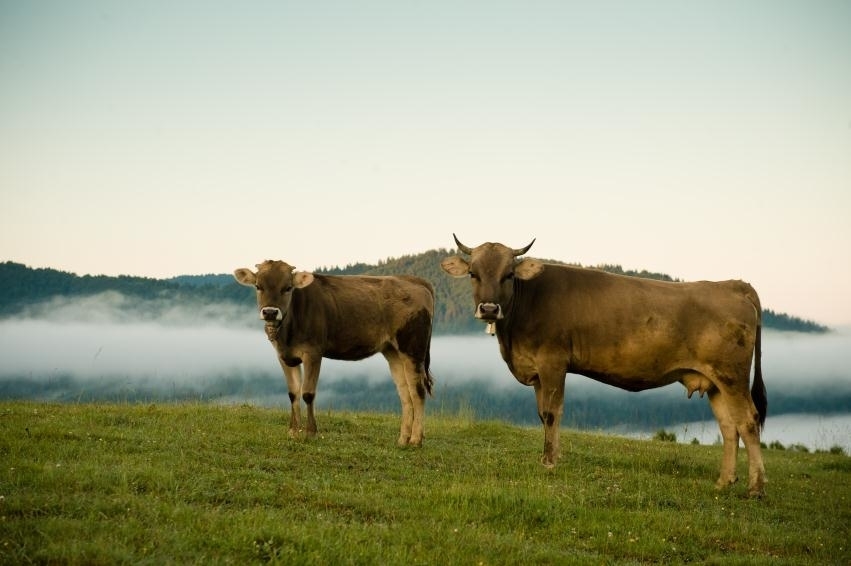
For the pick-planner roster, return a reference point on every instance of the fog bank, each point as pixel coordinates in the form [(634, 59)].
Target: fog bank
[(96, 347), (113, 349)]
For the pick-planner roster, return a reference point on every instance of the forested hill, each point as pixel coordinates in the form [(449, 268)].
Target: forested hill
[(24, 290)]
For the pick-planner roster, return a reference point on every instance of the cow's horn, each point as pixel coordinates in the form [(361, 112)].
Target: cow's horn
[(462, 247), (522, 251)]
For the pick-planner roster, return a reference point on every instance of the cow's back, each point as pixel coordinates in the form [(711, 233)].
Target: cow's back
[(349, 317), (568, 297), (389, 297)]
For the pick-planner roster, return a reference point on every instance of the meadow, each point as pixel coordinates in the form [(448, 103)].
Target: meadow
[(91, 483)]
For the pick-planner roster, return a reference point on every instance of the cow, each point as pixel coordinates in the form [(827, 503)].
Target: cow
[(628, 332), (310, 316)]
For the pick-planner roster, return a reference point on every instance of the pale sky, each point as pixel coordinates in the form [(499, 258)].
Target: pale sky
[(706, 140)]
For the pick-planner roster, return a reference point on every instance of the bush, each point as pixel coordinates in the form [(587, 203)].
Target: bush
[(665, 436)]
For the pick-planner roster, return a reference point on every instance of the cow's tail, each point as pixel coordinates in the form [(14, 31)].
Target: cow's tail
[(760, 398), (429, 379)]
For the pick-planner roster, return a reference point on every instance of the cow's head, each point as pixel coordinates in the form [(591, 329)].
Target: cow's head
[(274, 282), (492, 269)]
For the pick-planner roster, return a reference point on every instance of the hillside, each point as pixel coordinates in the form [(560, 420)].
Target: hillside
[(23, 288), (197, 483)]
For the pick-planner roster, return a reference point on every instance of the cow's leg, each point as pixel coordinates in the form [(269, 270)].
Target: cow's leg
[(308, 389), (746, 418), (549, 393), (415, 379), (741, 420), (397, 370), (749, 432), (719, 402), (407, 364), (293, 376)]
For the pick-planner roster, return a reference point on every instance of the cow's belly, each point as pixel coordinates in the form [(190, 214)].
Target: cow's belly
[(352, 352), (633, 382), (349, 352), (633, 367)]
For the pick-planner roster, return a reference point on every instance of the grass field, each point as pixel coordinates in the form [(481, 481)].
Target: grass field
[(199, 483)]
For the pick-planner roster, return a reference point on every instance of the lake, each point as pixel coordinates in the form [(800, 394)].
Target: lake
[(815, 431)]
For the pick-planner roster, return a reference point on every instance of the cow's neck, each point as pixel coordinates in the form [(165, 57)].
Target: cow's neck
[(280, 331), (503, 335), (504, 326)]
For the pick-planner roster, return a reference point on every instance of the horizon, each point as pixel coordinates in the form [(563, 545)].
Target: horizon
[(705, 140)]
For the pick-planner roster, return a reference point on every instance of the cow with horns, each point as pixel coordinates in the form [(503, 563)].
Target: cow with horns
[(628, 332)]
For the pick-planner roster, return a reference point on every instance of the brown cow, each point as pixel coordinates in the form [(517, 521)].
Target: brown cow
[(624, 331), (310, 316)]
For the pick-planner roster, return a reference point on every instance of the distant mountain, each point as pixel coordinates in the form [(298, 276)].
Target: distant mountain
[(22, 288)]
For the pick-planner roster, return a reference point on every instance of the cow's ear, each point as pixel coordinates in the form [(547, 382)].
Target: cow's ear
[(245, 276), (302, 279), (528, 269), (455, 266)]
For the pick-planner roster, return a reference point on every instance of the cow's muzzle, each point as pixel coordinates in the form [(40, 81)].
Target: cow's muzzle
[(489, 311), (271, 314)]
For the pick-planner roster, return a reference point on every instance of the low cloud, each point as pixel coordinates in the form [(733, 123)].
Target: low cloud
[(111, 307), (161, 344)]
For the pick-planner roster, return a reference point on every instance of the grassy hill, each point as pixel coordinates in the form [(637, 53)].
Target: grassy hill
[(199, 483)]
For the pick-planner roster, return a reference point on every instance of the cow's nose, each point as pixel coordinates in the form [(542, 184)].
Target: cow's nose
[(271, 313), (489, 311)]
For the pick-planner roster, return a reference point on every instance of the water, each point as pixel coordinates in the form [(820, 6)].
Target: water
[(814, 431)]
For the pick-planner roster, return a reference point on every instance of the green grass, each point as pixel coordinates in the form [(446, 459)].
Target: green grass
[(199, 483)]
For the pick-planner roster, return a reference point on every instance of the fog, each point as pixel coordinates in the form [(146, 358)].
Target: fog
[(112, 307), (112, 348), (173, 350)]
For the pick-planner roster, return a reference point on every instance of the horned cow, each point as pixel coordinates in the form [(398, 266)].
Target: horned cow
[(632, 333), (313, 316)]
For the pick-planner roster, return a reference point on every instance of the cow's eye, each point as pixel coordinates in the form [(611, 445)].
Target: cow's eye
[(474, 276), (286, 289), (258, 287), (508, 276)]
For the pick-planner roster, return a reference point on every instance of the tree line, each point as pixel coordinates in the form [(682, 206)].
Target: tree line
[(22, 287)]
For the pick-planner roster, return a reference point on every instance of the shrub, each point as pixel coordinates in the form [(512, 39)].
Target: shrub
[(665, 436)]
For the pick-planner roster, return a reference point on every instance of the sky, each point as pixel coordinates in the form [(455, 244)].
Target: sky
[(706, 140)]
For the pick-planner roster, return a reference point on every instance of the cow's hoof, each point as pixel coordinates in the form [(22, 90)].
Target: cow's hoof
[(756, 493), (724, 483), (757, 490), (548, 462)]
